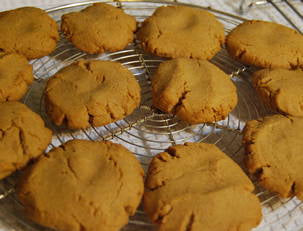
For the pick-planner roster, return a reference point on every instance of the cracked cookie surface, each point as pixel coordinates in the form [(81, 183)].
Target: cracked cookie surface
[(23, 137), (195, 90), (266, 44), (28, 31), (99, 28), (180, 31), (190, 187), (274, 148), (15, 76), (91, 93), (83, 186), (281, 89)]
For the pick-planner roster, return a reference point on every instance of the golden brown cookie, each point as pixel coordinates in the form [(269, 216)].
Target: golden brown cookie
[(23, 137), (192, 186), (99, 28), (180, 31), (28, 31), (15, 76), (266, 44), (274, 147), (195, 90), (91, 92), (281, 89), (83, 185)]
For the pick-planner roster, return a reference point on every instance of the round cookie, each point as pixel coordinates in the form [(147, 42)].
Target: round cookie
[(190, 187), (23, 137), (15, 76), (266, 44), (195, 90), (28, 31), (281, 89), (274, 147), (91, 93), (180, 31), (83, 185), (99, 28)]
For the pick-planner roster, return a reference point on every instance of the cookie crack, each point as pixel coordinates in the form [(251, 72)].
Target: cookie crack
[(90, 118), (3, 96), (33, 135), (90, 204), (21, 140), (210, 166), (265, 82), (295, 64), (163, 181), (163, 213), (54, 38), (172, 152), (190, 222), (87, 67), (2, 134), (258, 173), (100, 79), (293, 189), (160, 33), (120, 178), (290, 119), (111, 114), (181, 99), (80, 225), (240, 54), (270, 94), (129, 93), (69, 166), (21, 137)]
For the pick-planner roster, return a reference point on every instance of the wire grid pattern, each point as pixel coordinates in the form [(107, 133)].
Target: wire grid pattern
[(148, 131), (289, 12)]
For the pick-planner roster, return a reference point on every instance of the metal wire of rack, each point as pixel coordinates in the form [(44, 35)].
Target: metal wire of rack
[(148, 131), (286, 8)]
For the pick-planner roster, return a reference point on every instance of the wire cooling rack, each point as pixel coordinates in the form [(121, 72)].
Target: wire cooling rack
[(148, 131), (287, 12)]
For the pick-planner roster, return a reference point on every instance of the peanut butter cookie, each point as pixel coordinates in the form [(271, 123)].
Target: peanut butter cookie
[(91, 92), (274, 147), (281, 89), (83, 185), (28, 31), (23, 137), (266, 44), (15, 76), (192, 186), (180, 31), (99, 28), (195, 90)]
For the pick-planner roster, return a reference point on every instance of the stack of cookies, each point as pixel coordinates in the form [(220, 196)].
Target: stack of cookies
[(96, 185)]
